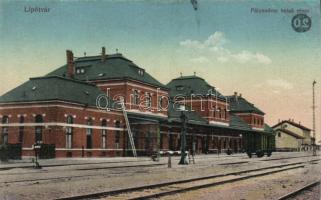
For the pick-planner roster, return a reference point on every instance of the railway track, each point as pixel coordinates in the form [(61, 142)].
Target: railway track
[(37, 180), (132, 161), (71, 164), (298, 192), (174, 187), (272, 159)]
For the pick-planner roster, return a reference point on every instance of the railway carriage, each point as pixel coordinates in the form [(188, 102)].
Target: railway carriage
[(259, 143)]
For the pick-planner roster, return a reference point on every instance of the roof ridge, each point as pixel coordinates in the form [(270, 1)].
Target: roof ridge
[(293, 123), (98, 57), (188, 77)]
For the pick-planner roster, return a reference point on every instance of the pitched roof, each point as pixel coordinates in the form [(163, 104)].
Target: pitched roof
[(268, 129), (187, 85), (238, 123), (116, 66), (53, 88), (193, 117), (290, 133), (292, 123), (240, 104)]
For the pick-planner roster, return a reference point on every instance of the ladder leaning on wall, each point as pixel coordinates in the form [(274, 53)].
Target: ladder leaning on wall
[(130, 134)]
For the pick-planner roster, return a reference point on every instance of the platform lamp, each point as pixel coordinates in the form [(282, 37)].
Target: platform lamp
[(37, 147), (183, 118)]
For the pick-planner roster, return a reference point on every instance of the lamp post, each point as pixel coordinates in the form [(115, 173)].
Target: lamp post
[(240, 143), (313, 107), (37, 147), (183, 117)]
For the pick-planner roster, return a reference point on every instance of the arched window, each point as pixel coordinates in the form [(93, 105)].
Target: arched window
[(103, 134), (21, 128), (89, 133), (223, 113), (38, 130), (136, 97), (5, 130), (160, 103), (148, 100), (220, 113), (69, 132), (117, 135)]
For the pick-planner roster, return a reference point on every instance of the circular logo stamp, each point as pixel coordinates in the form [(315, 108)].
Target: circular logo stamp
[(301, 23)]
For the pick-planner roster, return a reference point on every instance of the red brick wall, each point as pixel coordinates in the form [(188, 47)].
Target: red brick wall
[(254, 120), (56, 134), (126, 90), (208, 108)]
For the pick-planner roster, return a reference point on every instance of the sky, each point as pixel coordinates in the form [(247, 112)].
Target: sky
[(256, 54)]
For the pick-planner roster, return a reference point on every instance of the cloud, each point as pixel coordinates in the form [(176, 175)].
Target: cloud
[(214, 40), (263, 58), (213, 48), (246, 56), (280, 83), (200, 60), (192, 44)]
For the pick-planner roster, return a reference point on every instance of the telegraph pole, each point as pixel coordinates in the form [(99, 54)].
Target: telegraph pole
[(313, 107)]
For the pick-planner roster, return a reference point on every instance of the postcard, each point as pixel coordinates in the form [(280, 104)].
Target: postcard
[(160, 99)]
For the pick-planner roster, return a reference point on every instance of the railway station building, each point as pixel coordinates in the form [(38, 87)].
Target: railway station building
[(82, 108), (292, 136)]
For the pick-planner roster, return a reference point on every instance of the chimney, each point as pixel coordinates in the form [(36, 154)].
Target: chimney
[(279, 120), (235, 96), (299, 123), (70, 64), (240, 95), (103, 54)]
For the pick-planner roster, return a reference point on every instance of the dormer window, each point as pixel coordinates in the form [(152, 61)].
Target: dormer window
[(86, 92), (80, 71), (179, 88), (141, 72)]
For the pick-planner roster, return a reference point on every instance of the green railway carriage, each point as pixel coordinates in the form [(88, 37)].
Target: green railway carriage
[(259, 143)]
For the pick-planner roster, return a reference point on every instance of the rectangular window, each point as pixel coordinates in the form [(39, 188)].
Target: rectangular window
[(117, 134), (5, 135), (103, 138), (38, 134), (69, 138), (68, 142), (21, 130), (5, 130), (89, 138)]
